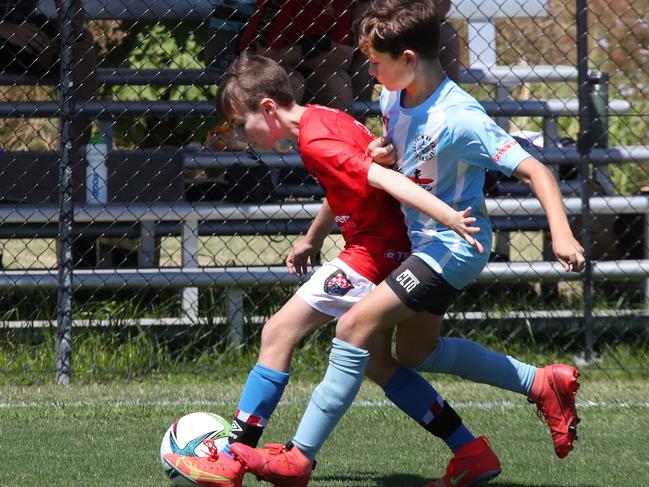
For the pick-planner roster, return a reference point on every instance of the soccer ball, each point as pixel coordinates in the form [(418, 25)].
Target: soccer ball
[(186, 436)]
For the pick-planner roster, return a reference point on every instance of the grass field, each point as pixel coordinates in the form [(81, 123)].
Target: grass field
[(104, 435)]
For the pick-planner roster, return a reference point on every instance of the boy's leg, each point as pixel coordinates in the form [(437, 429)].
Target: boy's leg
[(413, 394), (287, 465), (419, 346), (314, 304), (551, 388), (260, 396), (356, 330), (266, 381), (370, 318)]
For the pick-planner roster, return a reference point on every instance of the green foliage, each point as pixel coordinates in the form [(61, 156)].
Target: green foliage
[(27, 356), (161, 46)]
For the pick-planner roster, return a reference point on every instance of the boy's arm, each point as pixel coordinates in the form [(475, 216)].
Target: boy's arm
[(305, 250), (411, 194), (540, 179)]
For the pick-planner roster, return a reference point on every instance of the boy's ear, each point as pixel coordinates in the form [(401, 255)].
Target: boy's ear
[(410, 57), (268, 105)]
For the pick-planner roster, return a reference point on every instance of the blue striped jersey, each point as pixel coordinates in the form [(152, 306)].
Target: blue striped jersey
[(445, 144)]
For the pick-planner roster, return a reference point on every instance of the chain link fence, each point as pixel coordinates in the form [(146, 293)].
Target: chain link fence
[(138, 235)]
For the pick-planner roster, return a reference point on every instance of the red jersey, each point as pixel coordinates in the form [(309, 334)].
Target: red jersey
[(284, 22), (332, 145)]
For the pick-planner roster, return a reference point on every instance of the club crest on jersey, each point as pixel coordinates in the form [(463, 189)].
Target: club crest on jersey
[(337, 284), (424, 147)]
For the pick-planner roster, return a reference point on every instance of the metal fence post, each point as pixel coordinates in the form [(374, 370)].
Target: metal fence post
[(146, 246), (584, 149), (646, 256), (234, 313), (64, 296), (190, 260)]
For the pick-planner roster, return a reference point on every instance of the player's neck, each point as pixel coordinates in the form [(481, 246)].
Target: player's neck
[(428, 77), (290, 120)]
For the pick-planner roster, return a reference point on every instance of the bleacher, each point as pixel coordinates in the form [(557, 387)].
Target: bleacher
[(155, 210)]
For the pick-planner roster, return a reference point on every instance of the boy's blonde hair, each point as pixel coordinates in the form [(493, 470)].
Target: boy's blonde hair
[(393, 26), (247, 81)]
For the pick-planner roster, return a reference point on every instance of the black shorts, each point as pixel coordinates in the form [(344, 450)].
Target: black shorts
[(420, 288)]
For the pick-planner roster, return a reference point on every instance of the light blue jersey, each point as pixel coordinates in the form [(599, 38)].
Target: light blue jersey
[(445, 144)]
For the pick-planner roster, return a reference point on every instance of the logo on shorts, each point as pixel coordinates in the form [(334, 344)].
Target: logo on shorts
[(424, 147), (337, 284), (407, 280)]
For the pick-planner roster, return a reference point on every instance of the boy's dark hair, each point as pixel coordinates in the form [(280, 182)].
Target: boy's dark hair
[(393, 26), (247, 81)]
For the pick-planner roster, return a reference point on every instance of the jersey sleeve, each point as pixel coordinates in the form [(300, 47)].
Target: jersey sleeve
[(479, 141), (340, 158)]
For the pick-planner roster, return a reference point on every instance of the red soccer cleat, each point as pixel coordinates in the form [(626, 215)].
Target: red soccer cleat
[(475, 462), (553, 392), (214, 470), (283, 466)]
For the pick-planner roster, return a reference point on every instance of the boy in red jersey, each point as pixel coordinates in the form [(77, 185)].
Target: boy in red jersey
[(255, 93)]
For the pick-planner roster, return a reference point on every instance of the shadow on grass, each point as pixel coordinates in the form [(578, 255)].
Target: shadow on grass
[(410, 480), (367, 479)]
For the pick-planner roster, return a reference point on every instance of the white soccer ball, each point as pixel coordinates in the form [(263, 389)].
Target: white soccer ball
[(186, 436)]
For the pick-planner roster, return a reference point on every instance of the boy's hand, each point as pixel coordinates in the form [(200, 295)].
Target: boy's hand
[(300, 255), (382, 152), (569, 253), (461, 223)]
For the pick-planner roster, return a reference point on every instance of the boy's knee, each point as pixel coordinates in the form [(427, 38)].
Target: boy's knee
[(278, 334), (350, 327)]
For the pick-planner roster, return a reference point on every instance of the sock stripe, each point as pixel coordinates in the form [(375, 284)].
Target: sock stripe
[(445, 423), (437, 406), (433, 411), (251, 419)]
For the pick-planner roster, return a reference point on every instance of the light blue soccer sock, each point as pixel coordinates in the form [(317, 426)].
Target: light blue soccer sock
[(259, 398), (333, 396), (418, 399), (474, 362)]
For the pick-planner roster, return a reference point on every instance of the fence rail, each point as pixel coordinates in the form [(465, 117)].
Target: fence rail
[(608, 205), (271, 275), (193, 234)]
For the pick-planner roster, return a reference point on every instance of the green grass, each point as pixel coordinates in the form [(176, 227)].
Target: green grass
[(27, 357), (101, 435)]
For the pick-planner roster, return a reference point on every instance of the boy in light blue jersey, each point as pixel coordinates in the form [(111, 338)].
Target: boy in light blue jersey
[(444, 141), (445, 144)]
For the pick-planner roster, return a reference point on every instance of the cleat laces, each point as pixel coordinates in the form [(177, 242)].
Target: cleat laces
[(212, 449)]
